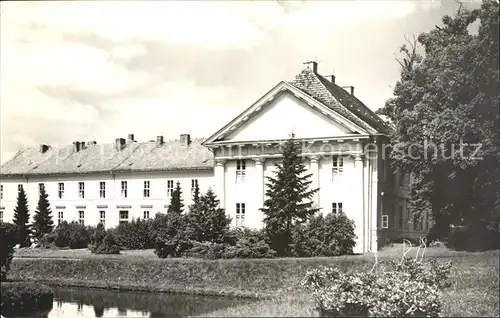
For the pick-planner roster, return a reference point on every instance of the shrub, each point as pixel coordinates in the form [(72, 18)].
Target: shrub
[(329, 235), (169, 235), (48, 240), (107, 246), (134, 235), (248, 244), (72, 235), (9, 238), (206, 250), (98, 235), (24, 298), (409, 289)]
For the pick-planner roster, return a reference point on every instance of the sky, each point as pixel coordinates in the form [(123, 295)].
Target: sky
[(99, 70)]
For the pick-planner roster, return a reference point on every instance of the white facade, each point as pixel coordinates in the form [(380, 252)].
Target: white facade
[(136, 204), (342, 152)]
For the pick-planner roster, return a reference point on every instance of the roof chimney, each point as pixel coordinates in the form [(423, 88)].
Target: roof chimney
[(82, 145), (314, 66), (130, 138), (159, 141), (44, 148), (185, 140), (119, 143), (351, 89), (76, 146), (332, 78)]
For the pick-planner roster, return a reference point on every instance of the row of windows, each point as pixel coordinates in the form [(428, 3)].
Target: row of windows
[(102, 188), (337, 170), (123, 216)]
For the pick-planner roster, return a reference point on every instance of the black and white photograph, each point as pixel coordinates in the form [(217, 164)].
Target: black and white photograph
[(238, 158)]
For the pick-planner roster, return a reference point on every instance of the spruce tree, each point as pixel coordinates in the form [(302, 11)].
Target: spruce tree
[(22, 218), (288, 198), (176, 206), (207, 221), (196, 194), (43, 223)]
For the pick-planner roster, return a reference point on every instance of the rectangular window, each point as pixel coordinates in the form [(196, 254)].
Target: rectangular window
[(41, 187), (102, 189), (60, 217), (401, 217), (170, 187), (385, 221), (123, 216), (240, 214), (240, 171), (81, 217), (146, 189), (19, 187), (337, 207), (102, 218), (338, 166), (124, 189), (81, 190), (60, 190), (194, 184), (146, 214), (1, 191)]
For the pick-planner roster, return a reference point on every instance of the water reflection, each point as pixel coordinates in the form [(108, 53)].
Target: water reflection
[(80, 302)]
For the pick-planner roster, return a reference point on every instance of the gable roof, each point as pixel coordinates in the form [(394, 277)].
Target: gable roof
[(172, 155), (273, 94), (346, 108), (339, 100)]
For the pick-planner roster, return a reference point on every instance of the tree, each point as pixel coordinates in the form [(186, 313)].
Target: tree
[(8, 237), (207, 222), (445, 111), (43, 223), (196, 194), (176, 206), (22, 218), (288, 198)]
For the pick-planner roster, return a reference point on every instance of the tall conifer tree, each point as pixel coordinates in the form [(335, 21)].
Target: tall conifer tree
[(43, 222), (22, 218), (176, 206), (288, 198)]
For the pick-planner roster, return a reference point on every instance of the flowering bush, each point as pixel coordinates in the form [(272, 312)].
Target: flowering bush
[(410, 288)]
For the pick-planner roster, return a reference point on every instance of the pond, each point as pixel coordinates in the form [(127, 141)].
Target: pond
[(86, 302)]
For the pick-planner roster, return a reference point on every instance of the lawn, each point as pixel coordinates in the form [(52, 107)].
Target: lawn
[(474, 277)]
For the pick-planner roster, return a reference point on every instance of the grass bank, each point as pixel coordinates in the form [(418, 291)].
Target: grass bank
[(244, 278), (474, 277)]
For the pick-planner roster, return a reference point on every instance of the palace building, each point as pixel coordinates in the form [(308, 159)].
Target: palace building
[(342, 144)]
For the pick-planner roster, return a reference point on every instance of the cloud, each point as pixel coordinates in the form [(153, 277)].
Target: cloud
[(99, 70)]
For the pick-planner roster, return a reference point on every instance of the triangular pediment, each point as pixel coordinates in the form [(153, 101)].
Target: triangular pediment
[(279, 112)]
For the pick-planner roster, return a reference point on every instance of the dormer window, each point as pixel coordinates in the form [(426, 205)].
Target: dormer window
[(240, 171)]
